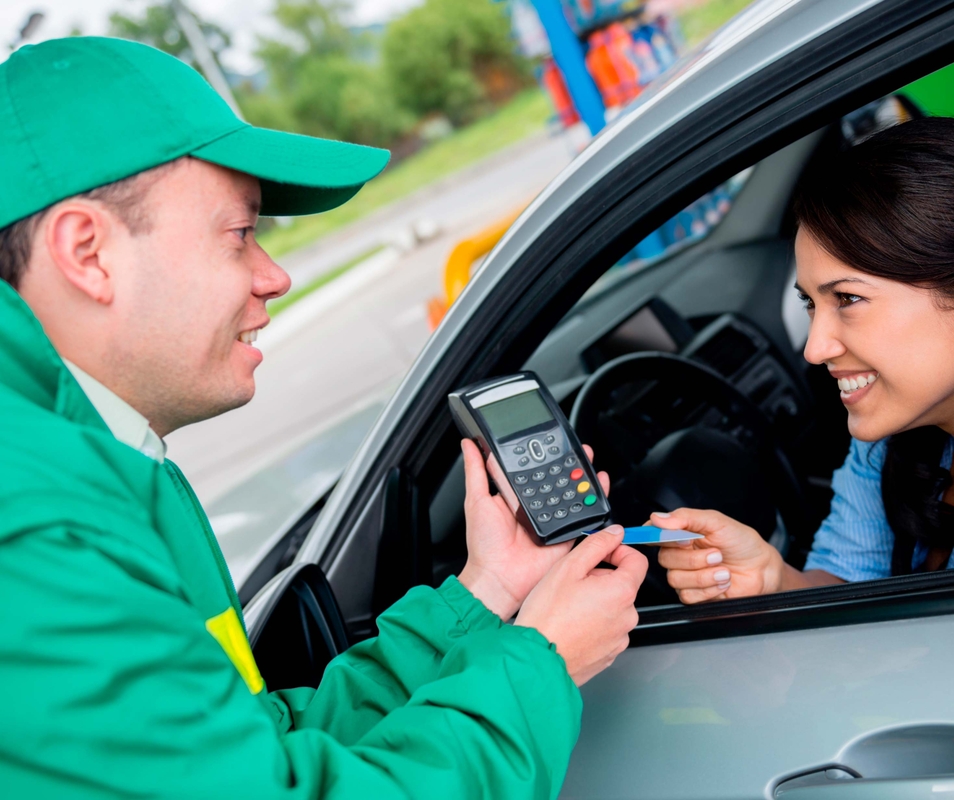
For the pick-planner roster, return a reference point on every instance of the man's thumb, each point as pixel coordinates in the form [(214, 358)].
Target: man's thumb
[(596, 547)]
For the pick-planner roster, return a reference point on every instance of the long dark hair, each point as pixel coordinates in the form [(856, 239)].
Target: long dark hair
[(886, 207)]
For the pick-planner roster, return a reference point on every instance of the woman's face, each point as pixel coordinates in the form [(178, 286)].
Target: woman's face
[(889, 346)]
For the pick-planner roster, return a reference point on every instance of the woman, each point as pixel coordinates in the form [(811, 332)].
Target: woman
[(875, 268)]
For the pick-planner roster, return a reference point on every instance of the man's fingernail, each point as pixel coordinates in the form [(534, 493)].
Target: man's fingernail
[(616, 530), (714, 558), (722, 576), (663, 514)]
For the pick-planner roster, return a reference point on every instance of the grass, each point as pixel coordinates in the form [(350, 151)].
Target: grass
[(276, 307), (526, 114), (699, 21)]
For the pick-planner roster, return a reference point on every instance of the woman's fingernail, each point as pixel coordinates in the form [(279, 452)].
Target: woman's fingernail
[(722, 576), (714, 558), (663, 514), (723, 586)]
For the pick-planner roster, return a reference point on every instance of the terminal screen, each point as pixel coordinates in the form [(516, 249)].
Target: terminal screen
[(507, 417)]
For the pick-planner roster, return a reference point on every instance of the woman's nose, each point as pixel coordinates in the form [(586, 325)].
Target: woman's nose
[(823, 343)]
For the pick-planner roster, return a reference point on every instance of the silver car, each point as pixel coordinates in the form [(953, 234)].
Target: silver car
[(684, 370)]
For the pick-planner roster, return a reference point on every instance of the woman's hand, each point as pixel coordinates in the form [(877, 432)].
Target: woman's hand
[(732, 561), (504, 562)]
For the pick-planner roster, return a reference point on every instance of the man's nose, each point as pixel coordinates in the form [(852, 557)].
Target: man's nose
[(823, 343), (271, 280)]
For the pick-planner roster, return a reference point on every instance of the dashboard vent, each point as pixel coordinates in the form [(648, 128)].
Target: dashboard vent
[(727, 352)]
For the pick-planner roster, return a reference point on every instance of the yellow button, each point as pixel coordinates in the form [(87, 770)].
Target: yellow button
[(583, 487)]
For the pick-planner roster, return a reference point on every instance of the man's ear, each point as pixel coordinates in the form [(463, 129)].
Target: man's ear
[(75, 233)]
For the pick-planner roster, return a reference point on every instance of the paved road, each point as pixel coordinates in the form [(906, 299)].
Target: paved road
[(356, 338)]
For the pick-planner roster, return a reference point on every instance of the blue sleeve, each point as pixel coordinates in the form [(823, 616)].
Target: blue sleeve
[(855, 542)]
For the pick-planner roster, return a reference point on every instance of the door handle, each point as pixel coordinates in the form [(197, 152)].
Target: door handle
[(912, 761)]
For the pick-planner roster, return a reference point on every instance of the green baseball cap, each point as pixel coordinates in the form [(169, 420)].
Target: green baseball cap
[(83, 112)]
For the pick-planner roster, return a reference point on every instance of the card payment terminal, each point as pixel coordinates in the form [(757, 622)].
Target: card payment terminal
[(533, 455)]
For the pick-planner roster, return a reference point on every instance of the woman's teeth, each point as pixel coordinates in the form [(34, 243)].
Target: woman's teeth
[(849, 385), (247, 337)]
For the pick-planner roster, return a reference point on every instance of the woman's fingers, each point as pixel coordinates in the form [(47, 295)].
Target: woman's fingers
[(687, 558), (691, 596), (692, 519), (699, 578)]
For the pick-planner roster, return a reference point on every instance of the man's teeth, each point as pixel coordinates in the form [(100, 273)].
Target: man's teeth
[(247, 337), (849, 385)]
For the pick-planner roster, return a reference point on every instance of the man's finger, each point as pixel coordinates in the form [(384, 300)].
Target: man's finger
[(629, 563), (475, 474), (596, 548)]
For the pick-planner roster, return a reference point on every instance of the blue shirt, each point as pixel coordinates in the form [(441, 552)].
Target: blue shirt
[(855, 542)]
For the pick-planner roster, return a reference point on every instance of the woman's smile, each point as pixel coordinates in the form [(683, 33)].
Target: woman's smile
[(854, 384)]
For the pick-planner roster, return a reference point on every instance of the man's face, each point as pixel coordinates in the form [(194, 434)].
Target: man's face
[(189, 291)]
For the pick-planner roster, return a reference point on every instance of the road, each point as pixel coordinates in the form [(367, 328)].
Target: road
[(353, 340)]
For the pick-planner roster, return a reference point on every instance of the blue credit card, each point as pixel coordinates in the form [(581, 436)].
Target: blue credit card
[(649, 534)]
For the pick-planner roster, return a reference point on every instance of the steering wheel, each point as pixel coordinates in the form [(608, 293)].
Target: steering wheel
[(693, 465)]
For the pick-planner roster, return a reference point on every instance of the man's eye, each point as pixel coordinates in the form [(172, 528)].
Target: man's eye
[(806, 301), (244, 232)]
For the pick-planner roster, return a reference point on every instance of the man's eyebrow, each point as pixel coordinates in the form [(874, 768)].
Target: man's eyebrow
[(826, 288), (254, 205)]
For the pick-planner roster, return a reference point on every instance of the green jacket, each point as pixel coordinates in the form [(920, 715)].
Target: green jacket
[(125, 669)]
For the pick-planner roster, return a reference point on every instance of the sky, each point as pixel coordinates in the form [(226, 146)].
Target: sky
[(244, 19)]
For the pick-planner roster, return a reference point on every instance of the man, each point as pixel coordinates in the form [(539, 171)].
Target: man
[(132, 291)]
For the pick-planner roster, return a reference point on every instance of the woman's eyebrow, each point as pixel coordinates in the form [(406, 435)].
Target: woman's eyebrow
[(827, 288)]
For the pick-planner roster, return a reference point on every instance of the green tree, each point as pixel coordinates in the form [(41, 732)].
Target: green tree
[(158, 27), (314, 75), (447, 55)]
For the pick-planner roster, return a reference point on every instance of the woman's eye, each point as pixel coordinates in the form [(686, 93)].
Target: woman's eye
[(806, 301), (845, 300)]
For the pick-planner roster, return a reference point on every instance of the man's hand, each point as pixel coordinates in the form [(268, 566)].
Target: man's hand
[(504, 562), (588, 612)]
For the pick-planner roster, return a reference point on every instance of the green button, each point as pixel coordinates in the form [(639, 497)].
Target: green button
[(589, 500)]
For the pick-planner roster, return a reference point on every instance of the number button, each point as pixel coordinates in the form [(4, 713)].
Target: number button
[(553, 500), (561, 482), (569, 494), (520, 480), (570, 461), (544, 517), (576, 508), (556, 469), (537, 452), (560, 513), (538, 504), (529, 492), (539, 475)]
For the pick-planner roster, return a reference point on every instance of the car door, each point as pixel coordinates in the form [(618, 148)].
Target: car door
[(742, 699)]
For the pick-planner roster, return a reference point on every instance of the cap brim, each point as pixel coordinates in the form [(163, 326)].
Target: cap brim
[(298, 174)]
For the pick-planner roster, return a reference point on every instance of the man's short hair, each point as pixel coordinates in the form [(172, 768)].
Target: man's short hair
[(125, 198)]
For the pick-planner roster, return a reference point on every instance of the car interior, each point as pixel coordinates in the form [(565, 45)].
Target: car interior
[(683, 370)]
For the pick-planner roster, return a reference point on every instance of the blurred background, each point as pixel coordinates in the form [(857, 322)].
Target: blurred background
[(482, 104)]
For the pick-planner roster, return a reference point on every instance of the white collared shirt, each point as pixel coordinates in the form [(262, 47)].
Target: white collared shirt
[(127, 425)]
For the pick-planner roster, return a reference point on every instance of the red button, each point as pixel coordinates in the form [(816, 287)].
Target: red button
[(576, 474)]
